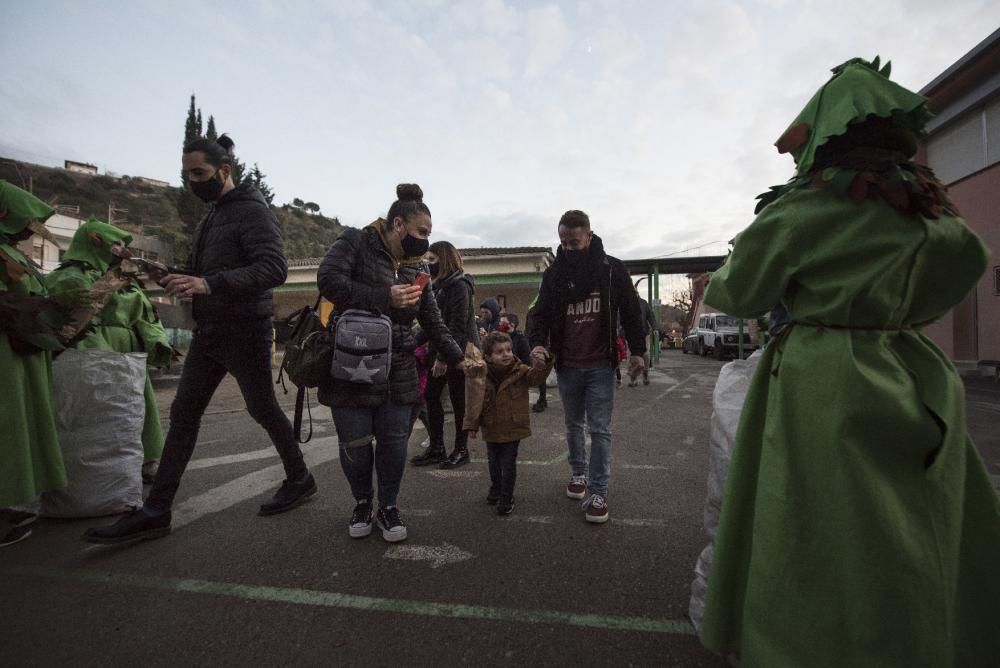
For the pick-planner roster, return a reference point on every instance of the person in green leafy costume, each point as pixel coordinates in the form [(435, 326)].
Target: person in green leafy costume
[(30, 459), (127, 324), (859, 526)]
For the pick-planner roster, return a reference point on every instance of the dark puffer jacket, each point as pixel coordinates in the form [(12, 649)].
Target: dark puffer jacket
[(547, 318), (357, 273), (453, 295), (237, 248)]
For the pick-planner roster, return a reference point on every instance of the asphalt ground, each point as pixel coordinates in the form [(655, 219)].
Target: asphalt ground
[(541, 586)]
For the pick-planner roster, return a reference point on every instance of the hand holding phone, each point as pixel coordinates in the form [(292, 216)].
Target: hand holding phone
[(422, 279)]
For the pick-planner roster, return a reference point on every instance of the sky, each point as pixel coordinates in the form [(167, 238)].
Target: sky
[(657, 118)]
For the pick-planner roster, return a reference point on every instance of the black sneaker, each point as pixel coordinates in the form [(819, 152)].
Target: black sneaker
[(132, 527), (539, 406), (434, 455), (506, 505), (361, 519), (493, 495), (393, 529), (456, 459), (289, 495)]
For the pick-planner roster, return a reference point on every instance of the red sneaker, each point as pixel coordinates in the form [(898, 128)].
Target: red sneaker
[(597, 509), (577, 487)]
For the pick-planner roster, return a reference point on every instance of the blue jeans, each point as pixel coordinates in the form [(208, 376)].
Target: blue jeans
[(390, 425), (589, 394)]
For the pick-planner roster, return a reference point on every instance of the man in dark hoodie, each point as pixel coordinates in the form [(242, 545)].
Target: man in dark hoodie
[(237, 257), (582, 296)]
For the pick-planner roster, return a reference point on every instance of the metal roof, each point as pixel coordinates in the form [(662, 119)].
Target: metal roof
[(675, 265)]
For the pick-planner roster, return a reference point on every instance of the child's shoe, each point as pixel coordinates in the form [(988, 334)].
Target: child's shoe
[(493, 495)]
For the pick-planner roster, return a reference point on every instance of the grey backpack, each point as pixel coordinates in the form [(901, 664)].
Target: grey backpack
[(362, 348)]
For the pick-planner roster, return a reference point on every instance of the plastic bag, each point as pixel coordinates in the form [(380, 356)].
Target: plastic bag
[(727, 406), (100, 409)]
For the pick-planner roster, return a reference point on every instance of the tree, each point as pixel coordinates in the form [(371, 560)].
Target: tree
[(298, 203), (210, 132), (199, 123), (256, 178), (683, 301), (312, 206)]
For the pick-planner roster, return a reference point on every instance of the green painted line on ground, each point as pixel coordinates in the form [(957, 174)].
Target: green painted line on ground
[(327, 599)]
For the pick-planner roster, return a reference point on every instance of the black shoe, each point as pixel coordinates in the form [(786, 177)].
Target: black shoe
[(456, 459), (539, 406), (361, 519), (289, 495), (506, 505), (432, 456), (393, 529), (493, 495), (132, 527)]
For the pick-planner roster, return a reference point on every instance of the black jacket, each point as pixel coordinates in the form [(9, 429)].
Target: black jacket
[(237, 249), (453, 294), (357, 273), (547, 318)]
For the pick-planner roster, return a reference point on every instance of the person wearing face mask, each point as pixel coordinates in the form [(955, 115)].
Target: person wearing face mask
[(30, 459), (127, 323), (489, 316), (375, 269), (237, 258), (453, 291), (583, 296)]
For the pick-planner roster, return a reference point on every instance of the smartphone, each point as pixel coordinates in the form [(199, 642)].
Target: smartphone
[(422, 280)]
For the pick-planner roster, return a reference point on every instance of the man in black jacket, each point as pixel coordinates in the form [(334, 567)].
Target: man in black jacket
[(582, 296), (237, 257)]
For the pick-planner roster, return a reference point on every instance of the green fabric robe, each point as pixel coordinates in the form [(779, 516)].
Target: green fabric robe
[(127, 324), (859, 526), (30, 459)]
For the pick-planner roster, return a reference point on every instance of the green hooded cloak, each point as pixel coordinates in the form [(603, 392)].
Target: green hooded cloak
[(859, 526), (127, 324), (30, 459)]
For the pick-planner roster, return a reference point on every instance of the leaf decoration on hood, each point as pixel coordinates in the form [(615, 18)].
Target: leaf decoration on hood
[(794, 137)]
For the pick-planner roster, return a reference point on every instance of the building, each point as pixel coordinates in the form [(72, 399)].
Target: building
[(963, 149), (511, 275), (151, 182), (80, 167)]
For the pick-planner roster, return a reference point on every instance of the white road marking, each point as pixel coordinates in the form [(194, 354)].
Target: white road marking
[(438, 555), (645, 467), (247, 487), (689, 440), (455, 474), (254, 455), (674, 387)]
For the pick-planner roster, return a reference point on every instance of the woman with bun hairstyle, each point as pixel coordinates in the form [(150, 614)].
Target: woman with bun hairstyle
[(237, 258), (453, 290), (375, 269)]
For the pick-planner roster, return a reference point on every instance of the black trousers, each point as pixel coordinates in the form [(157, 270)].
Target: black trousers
[(455, 380), (503, 465), (244, 350)]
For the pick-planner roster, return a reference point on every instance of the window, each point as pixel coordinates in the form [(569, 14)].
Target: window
[(502, 301)]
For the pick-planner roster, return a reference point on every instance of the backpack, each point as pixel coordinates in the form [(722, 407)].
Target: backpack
[(362, 348), (308, 354)]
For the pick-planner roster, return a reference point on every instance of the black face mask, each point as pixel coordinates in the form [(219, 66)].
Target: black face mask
[(412, 246), (576, 259), (208, 190), (434, 268)]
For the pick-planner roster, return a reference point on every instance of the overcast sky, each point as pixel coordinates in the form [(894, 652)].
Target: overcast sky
[(656, 117)]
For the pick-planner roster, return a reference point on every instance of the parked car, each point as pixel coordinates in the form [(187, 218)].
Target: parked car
[(719, 334), (690, 344)]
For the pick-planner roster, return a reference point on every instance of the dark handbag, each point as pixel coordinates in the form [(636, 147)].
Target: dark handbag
[(309, 351), (308, 354)]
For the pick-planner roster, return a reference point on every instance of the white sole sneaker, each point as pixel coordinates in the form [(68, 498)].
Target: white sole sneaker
[(361, 530), (597, 519), (394, 535)]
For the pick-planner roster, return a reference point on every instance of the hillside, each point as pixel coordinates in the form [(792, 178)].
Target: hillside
[(152, 210)]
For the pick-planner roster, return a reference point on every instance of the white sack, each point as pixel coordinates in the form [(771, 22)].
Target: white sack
[(100, 408), (727, 406)]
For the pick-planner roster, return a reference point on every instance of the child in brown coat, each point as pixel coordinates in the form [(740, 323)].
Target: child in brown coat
[(505, 416)]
